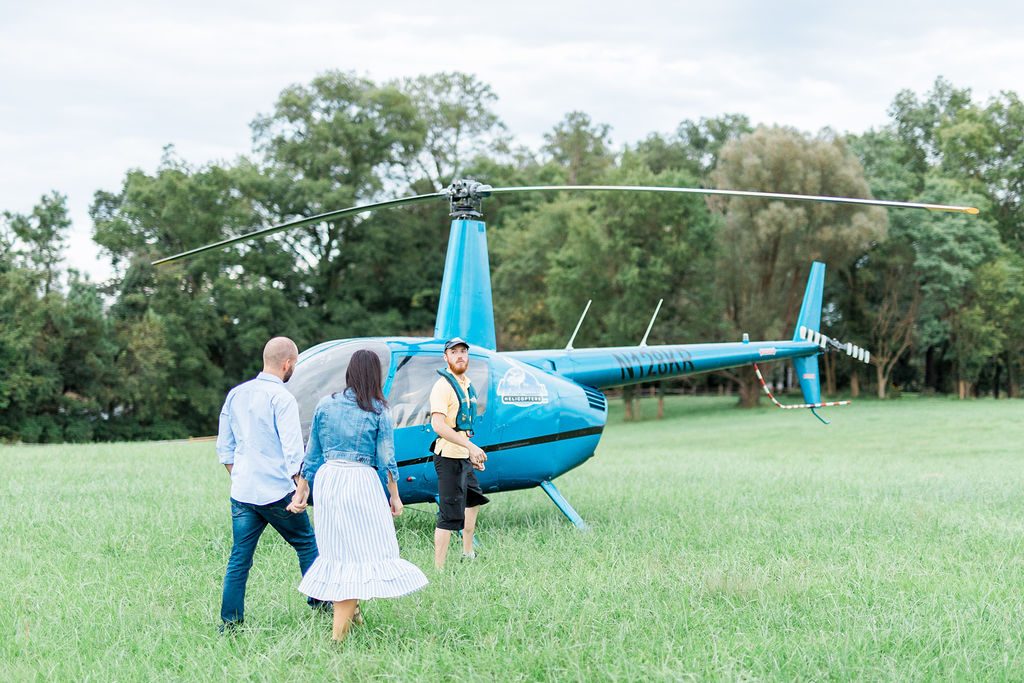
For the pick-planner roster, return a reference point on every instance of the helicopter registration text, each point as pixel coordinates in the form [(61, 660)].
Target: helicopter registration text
[(641, 364)]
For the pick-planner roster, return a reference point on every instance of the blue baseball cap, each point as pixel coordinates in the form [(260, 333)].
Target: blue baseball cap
[(455, 341)]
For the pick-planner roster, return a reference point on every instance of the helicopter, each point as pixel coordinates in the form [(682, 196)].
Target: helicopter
[(540, 413)]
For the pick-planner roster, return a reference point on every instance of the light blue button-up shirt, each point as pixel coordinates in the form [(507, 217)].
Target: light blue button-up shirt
[(260, 436)]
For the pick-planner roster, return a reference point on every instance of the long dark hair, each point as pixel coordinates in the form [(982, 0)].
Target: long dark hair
[(363, 378)]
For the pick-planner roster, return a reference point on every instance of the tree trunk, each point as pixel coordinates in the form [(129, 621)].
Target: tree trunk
[(962, 388), (627, 397), (854, 383), (830, 374), (661, 400), (883, 380), (930, 379), (1012, 388), (750, 388)]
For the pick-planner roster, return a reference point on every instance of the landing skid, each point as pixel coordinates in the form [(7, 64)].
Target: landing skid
[(559, 500)]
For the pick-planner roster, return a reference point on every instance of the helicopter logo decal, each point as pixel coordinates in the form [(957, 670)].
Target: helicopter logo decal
[(518, 387)]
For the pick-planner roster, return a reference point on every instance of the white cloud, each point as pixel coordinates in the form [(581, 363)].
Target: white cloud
[(88, 91)]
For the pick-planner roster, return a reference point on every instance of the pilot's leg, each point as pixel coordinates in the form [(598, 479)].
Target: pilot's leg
[(474, 499), (451, 504), (468, 529)]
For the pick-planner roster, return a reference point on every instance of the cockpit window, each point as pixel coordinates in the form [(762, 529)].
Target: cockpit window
[(414, 378), (321, 371)]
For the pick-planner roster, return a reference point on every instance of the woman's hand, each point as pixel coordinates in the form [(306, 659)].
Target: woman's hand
[(300, 496), (396, 500)]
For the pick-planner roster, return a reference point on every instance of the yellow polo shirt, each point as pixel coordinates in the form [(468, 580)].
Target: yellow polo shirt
[(444, 400)]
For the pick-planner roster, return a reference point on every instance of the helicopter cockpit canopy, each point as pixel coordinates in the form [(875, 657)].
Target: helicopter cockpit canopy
[(321, 371), (415, 376)]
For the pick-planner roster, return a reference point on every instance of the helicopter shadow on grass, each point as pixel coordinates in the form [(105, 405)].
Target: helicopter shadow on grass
[(517, 518)]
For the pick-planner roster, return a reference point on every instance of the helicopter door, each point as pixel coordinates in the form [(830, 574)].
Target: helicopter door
[(409, 398)]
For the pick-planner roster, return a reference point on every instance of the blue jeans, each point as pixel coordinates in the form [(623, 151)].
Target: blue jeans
[(247, 524)]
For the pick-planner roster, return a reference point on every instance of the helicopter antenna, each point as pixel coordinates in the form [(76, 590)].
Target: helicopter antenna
[(568, 347), (643, 342)]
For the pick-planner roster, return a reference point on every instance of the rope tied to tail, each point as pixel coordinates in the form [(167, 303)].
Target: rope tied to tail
[(811, 406)]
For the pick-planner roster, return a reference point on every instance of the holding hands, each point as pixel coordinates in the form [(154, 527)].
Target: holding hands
[(300, 497)]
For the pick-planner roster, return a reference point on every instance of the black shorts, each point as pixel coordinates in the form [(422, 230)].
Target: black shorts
[(457, 489)]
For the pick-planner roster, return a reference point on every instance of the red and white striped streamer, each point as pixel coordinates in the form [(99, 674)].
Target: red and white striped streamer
[(826, 404)]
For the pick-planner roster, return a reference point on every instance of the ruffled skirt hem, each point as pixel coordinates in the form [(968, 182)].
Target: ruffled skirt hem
[(334, 581)]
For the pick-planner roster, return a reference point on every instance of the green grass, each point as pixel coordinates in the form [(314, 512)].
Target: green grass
[(726, 544)]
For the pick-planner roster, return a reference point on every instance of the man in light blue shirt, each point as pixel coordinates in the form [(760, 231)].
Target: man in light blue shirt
[(260, 443)]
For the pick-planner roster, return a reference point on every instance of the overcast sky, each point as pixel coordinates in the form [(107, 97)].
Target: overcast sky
[(90, 90)]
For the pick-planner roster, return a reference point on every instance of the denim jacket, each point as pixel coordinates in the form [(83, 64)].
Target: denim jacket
[(341, 429)]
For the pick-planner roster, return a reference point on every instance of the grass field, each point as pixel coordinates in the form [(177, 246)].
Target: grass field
[(726, 544)]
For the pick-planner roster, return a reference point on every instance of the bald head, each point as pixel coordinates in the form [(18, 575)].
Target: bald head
[(279, 356)]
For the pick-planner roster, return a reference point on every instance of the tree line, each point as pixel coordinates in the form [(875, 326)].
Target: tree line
[(938, 298)]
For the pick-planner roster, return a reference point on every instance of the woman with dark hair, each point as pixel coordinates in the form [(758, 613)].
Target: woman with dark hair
[(350, 453)]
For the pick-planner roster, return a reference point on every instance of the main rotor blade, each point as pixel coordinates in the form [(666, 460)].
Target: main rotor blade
[(738, 193), (300, 222)]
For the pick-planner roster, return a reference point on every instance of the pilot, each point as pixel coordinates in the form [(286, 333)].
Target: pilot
[(452, 408)]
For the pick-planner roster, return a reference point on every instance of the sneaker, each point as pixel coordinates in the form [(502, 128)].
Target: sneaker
[(469, 557), (228, 627)]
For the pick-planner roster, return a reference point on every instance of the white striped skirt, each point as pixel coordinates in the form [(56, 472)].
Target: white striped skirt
[(355, 535)]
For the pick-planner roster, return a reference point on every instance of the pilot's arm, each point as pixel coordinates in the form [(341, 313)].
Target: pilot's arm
[(439, 396)]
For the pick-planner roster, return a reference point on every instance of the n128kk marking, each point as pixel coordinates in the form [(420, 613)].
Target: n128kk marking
[(641, 364)]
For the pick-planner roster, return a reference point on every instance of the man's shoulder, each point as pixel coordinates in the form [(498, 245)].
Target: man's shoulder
[(241, 388), (255, 385), (280, 395)]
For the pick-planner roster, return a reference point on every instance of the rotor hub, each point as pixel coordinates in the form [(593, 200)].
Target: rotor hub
[(466, 197)]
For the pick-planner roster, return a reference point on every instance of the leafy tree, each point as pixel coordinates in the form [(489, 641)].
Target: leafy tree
[(917, 123), (53, 343), (766, 246), (949, 248), (459, 124), (41, 236), (985, 145), (624, 252), (880, 295), (30, 383), (998, 297), (175, 209), (695, 146), (581, 147)]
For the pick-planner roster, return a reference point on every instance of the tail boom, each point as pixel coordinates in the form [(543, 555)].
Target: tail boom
[(626, 365)]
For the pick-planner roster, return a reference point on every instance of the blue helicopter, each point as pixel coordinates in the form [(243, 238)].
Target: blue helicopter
[(540, 413)]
